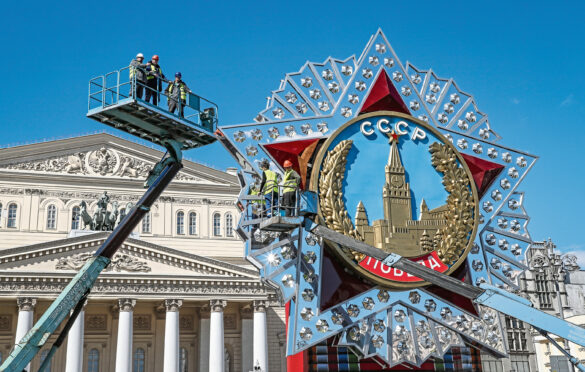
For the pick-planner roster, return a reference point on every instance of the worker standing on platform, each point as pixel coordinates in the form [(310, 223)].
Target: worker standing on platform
[(269, 187), (291, 183), (138, 70), (154, 78), (177, 94)]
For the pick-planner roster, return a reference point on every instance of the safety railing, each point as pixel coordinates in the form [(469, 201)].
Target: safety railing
[(283, 203), (122, 86)]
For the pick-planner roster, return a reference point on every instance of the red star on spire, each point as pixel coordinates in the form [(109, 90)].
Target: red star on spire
[(393, 137)]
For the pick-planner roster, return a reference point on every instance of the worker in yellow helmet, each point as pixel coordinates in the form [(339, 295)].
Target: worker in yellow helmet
[(269, 187), (177, 94), (291, 183)]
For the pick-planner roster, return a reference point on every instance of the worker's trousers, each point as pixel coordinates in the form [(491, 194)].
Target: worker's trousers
[(289, 201), (173, 106), (152, 91), (271, 203)]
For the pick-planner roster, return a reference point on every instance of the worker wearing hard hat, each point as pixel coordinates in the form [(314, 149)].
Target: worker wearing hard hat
[(154, 79), (269, 187), (138, 72), (177, 94), (290, 184)]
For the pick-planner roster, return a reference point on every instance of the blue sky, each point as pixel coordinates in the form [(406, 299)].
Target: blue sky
[(521, 60)]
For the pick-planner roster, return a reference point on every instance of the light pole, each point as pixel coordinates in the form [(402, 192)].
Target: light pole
[(559, 264)]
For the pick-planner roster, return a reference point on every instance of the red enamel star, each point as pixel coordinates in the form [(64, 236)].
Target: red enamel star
[(393, 137)]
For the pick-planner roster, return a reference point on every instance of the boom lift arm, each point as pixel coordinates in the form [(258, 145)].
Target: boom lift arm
[(118, 105), (77, 290)]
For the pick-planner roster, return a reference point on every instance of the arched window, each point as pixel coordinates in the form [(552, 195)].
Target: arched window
[(192, 223), (93, 361), (138, 365), (51, 217), (75, 217), (229, 221), (44, 355), (12, 208), (146, 223), (181, 223), (1, 214), (216, 224), (183, 360)]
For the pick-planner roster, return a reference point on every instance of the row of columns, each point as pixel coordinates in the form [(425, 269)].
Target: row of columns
[(211, 328)]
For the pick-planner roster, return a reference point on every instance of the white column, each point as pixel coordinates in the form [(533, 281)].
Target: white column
[(260, 336), (247, 338), (171, 356), (204, 338), (74, 361), (125, 325), (26, 308), (216, 345)]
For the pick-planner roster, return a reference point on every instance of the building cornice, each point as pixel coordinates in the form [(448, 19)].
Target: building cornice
[(49, 286)]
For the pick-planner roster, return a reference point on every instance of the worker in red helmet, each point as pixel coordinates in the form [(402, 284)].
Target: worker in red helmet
[(290, 188), (154, 79)]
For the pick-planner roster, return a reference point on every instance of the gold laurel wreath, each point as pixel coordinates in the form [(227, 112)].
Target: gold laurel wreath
[(460, 205), (331, 197)]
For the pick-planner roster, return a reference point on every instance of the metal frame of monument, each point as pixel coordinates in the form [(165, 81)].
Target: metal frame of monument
[(394, 327)]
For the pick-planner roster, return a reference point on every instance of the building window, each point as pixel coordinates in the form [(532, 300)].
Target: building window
[(1, 215), (51, 217), (183, 360), (138, 360), (44, 355), (229, 222), (216, 224), (543, 292), (93, 361), (12, 208), (146, 223), (181, 223), (192, 223), (75, 218), (516, 334)]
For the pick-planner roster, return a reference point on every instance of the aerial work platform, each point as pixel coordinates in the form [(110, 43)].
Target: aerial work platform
[(117, 99)]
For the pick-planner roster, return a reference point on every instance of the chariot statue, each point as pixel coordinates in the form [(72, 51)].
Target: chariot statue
[(106, 216)]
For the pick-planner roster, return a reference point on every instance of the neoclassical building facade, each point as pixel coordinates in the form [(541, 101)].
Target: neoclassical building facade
[(178, 295)]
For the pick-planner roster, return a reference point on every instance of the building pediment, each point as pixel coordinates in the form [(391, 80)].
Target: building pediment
[(101, 155), (135, 258), (138, 269)]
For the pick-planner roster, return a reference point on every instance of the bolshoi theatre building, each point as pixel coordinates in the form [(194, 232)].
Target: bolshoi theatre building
[(178, 285)]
